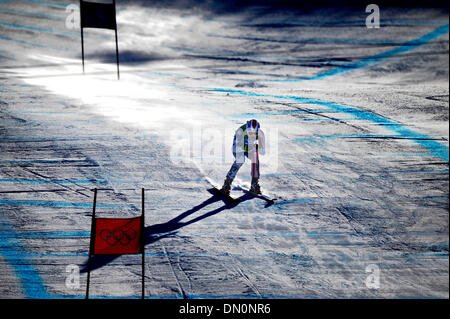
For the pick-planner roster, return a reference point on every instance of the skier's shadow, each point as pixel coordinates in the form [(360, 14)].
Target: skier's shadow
[(157, 232)]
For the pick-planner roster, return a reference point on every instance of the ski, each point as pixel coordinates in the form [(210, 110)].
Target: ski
[(268, 199), (231, 199), (262, 196), (215, 190)]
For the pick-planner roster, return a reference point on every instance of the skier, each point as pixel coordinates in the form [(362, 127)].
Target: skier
[(249, 141)]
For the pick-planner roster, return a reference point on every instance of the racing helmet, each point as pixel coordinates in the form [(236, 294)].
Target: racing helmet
[(252, 125)]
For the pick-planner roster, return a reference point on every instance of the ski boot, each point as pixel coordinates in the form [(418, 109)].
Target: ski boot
[(255, 188), (226, 186)]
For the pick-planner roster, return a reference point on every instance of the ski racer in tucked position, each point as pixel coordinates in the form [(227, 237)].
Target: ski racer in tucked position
[(249, 141)]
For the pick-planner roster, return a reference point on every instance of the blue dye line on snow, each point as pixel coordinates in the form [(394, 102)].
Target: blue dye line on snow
[(445, 255), (324, 22), (57, 4), (58, 204), (47, 181), (413, 22), (407, 46), (263, 114), (86, 234), (421, 171), (306, 40), (20, 257), (406, 137), (19, 26), (59, 234), (293, 201), (327, 119), (67, 33), (12, 252), (425, 141), (43, 15), (55, 138), (314, 234), (49, 161), (403, 155), (383, 22), (31, 43)]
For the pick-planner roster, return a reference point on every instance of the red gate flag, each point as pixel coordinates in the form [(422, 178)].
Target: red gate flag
[(98, 15), (117, 236)]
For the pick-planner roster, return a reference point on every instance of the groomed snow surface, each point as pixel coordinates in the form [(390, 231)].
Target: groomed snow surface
[(356, 122)]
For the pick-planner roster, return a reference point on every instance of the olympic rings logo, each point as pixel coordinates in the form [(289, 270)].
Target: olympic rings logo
[(123, 237)]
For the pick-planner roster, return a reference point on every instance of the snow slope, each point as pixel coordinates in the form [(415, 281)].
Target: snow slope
[(356, 123)]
